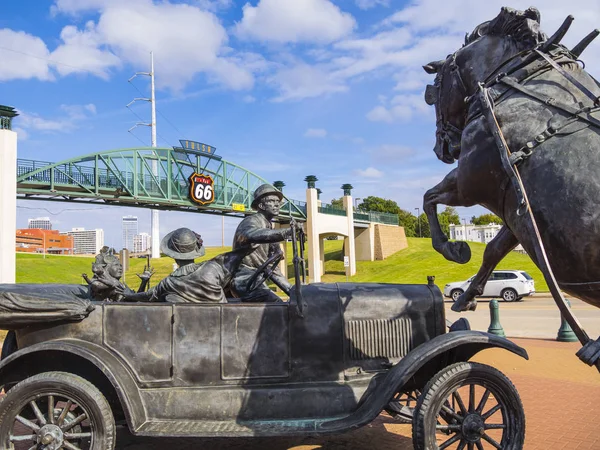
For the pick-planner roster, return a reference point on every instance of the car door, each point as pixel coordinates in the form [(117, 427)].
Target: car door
[(493, 286)]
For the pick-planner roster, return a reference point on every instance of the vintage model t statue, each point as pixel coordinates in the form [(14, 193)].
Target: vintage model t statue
[(522, 118)]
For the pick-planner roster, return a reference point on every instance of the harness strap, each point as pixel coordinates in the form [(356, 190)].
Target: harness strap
[(570, 77), (584, 114), (513, 173)]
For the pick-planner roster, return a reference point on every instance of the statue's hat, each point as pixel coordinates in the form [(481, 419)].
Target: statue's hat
[(182, 243), (262, 191)]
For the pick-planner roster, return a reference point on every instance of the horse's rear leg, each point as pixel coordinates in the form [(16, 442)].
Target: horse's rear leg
[(497, 249), (445, 193)]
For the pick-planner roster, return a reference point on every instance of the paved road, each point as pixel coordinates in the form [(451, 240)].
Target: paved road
[(534, 317)]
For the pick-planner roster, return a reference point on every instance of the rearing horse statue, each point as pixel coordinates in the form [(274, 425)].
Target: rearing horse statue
[(522, 117)]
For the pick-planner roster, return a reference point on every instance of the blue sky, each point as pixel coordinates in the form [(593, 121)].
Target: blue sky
[(285, 88)]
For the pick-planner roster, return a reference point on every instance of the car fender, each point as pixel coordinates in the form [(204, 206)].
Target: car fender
[(446, 349), (18, 365)]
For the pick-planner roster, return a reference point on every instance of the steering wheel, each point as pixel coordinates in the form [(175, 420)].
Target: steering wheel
[(264, 272)]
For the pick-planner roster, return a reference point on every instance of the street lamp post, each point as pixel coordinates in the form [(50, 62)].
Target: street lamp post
[(356, 202), (419, 220)]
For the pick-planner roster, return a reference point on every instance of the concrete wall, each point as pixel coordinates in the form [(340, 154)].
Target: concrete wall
[(8, 205), (389, 239), (364, 241)]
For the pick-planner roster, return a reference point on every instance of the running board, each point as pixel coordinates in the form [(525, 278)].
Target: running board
[(208, 428)]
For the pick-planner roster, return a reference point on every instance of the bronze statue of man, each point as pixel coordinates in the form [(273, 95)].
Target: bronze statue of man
[(257, 231)]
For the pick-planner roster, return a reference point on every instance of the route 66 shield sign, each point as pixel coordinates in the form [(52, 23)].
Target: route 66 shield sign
[(202, 189)]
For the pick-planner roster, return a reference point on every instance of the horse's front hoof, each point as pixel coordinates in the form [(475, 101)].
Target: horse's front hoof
[(461, 305), (590, 353), (458, 252)]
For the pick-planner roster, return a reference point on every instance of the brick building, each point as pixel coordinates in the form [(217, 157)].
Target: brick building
[(35, 240)]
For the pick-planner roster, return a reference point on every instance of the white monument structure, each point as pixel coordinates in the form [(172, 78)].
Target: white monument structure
[(8, 195)]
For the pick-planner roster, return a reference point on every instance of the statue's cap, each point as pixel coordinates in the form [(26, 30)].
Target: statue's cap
[(183, 244), (264, 190)]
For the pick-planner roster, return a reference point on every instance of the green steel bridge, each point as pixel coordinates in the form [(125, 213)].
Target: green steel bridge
[(156, 178)]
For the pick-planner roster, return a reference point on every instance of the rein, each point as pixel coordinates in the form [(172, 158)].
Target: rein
[(510, 162)]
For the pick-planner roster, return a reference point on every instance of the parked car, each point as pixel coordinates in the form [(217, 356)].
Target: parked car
[(329, 360), (510, 285)]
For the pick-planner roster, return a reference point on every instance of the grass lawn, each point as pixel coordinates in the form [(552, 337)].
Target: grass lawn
[(411, 265)]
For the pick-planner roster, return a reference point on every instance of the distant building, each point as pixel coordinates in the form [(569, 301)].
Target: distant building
[(130, 229), (142, 242), (474, 233), (86, 242), (36, 240), (41, 223)]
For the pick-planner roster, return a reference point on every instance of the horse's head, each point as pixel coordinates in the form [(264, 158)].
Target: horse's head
[(485, 51)]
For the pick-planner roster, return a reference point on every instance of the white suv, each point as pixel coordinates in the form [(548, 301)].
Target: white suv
[(511, 285)]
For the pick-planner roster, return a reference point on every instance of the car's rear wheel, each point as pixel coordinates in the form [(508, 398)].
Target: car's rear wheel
[(467, 406), (56, 410), (456, 293), (509, 295)]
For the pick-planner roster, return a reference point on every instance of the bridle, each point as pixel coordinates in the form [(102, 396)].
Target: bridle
[(446, 131)]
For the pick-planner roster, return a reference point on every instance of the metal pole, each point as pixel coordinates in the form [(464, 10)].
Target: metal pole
[(419, 220), (222, 231), (155, 222)]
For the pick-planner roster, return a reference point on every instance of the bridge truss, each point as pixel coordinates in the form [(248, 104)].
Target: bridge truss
[(148, 177)]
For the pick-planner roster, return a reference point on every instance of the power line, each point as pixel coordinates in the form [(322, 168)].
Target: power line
[(53, 61), (63, 210)]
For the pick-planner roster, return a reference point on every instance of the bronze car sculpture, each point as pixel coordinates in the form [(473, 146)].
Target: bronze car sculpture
[(329, 360)]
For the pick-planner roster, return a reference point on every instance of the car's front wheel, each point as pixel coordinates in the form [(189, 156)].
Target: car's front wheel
[(56, 410), (509, 295), (467, 406), (456, 293)]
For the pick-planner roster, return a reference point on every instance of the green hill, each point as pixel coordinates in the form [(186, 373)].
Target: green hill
[(411, 265)]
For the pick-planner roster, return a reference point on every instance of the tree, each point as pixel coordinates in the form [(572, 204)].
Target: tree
[(379, 204), (409, 222), (338, 203), (447, 217), (486, 219), (425, 231)]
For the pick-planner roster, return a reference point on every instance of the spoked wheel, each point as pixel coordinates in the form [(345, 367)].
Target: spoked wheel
[(402, 406), (469, 406), (56, 410)]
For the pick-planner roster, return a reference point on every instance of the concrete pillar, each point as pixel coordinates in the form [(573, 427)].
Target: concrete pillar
[(155, 234), (349, 248), (312, 235), (8, 205), (322, 254)]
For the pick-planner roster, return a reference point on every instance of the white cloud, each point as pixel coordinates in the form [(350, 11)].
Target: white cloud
[(391, 152), (305, 81), (368, 4), (294, 21), (73, 117), (402, 108), (315, 133), (186, 40), (214, 5), (369, 172), (28, 58), (249, 99)]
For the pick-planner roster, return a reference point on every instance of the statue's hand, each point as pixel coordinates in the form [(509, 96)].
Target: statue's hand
[(146, 275)]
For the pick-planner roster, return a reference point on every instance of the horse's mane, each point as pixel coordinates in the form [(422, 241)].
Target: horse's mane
[(522, 26)]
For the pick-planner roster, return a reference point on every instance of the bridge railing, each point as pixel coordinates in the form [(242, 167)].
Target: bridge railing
[(332, 210), (377, 217)]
